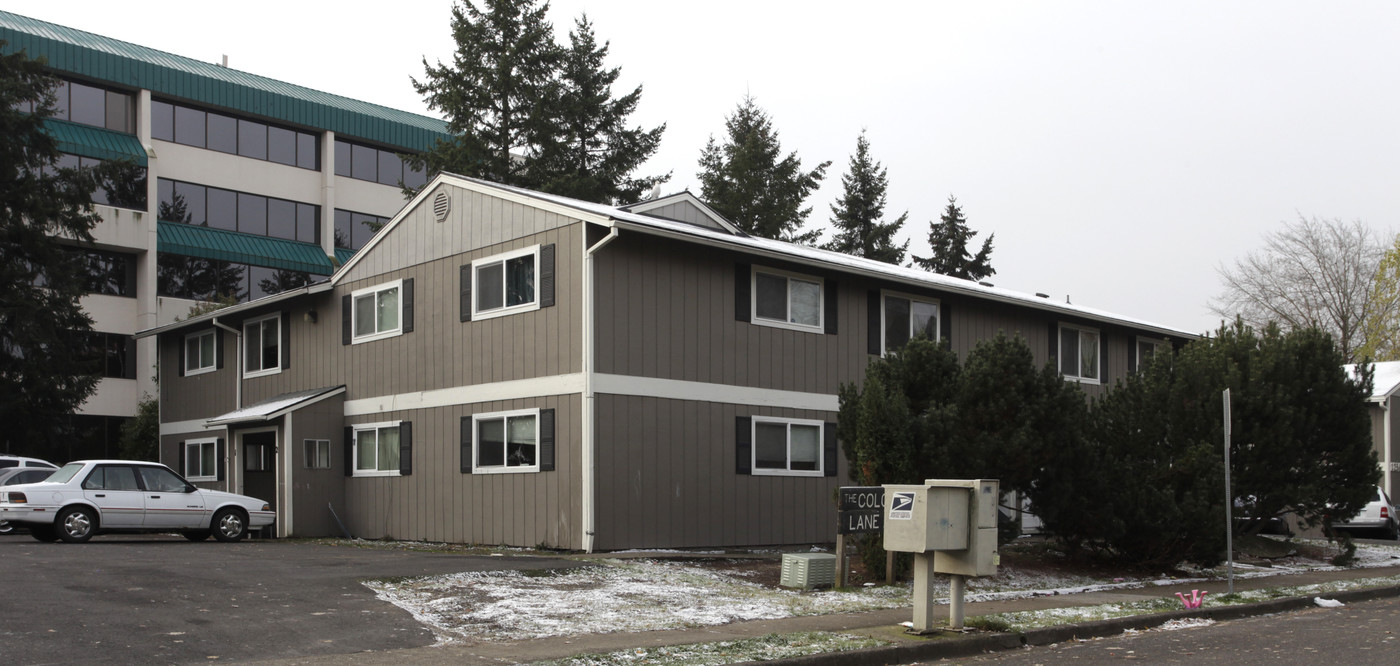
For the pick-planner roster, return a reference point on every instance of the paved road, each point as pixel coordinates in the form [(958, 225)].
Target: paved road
[(1357, 634), (161, 599)]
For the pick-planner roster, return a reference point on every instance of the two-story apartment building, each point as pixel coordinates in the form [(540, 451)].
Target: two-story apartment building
[(240, 185), (508, 367)]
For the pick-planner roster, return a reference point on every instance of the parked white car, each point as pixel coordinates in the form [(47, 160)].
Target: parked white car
[(1378, 515), (21, 461), (86, 497)]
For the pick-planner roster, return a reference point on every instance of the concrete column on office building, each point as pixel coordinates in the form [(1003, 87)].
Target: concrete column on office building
[(328, 193), (147, 300)]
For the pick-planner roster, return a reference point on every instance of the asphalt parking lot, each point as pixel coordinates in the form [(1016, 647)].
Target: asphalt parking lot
[(161, 599)]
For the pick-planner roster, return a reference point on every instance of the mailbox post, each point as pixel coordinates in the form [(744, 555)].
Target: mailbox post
[(951, 527)]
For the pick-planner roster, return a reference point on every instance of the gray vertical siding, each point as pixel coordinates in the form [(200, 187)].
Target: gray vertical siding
[(439, 503), (666, 479), (475, 221), (313, 489), (196, 396)]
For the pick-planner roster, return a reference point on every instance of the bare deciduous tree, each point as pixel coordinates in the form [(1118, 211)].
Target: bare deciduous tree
[(1312, 273)]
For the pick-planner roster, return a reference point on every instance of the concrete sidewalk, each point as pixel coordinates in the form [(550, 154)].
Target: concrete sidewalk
[(885, 625)]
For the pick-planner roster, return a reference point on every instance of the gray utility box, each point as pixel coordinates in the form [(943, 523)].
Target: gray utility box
[(955, 519), (808, 570)]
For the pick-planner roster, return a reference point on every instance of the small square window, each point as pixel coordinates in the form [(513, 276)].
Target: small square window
[(201, 460), (1148, 349), (904, 318), (316, 453)]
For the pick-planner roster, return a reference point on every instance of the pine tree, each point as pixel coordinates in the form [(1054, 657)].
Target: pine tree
[(44, 369), (495, 91), (593, 153), (747, 180), (858, 214), (949, 239)]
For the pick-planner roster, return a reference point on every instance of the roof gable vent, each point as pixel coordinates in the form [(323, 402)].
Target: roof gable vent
[(442, 204)]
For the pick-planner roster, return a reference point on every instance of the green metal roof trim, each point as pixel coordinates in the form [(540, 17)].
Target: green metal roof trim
[(126, 64), (206, 243), (343, 255), (103, 144)]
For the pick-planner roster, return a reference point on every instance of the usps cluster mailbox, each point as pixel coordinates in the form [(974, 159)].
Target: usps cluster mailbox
[(955, 519)]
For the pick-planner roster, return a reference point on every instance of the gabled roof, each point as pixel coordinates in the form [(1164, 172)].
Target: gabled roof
[(1386, 382), (99, 58), (775, 249), (685, 197), (276, 406)]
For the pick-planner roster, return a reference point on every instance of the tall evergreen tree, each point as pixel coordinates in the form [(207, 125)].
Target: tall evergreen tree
[(949, 239), (495, 91), (592, 152), (858, 215), (525, 111), (747, 180), (44, 369)]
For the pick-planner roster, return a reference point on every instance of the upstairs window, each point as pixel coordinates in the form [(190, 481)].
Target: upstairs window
[(200, 353), (1079, 354), (377, 312), (1148, 349), (262, 346), (787, 300), (505, 284), (903, 318)]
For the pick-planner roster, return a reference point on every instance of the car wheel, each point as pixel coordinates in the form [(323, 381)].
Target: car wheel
[(6, 527), (230, 525), (76, 525), (43, 533)]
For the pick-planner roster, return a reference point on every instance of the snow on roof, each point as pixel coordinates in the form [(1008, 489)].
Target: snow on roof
[(836, 260), (1387, 379), (275, 406)]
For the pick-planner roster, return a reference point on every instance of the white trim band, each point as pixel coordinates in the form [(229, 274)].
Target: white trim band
[(677, 389), (537, 387)]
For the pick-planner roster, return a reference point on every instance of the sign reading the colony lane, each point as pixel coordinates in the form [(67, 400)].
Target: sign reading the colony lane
[(861, 510)]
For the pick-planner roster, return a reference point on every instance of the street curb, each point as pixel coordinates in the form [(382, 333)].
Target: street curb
[(975, 644)]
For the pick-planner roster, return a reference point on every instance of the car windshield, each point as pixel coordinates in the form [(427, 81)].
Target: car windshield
[(65, 473)]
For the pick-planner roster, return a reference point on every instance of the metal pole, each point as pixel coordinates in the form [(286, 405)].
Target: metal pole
[(1229, 505), (841, 560), (957, 586), (923, 593)]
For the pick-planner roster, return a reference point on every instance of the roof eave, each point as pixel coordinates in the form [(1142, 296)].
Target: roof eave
[(234, 309)]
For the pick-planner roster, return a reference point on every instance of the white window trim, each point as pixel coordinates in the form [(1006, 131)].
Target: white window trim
[(936, 303), (355, 337), (753, 447), (355, 449), (506, 310), (1159, 343), (310, 463), (476, 442), (277, 367), (1098, 352), (820, 326), (186, 352), (200, 443)]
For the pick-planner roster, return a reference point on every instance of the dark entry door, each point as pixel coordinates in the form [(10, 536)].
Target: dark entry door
[(260, 467)]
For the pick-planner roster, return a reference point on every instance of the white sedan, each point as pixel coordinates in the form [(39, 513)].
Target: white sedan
[(86, 497)]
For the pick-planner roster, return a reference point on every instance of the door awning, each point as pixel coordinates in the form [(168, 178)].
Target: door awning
[(275, 407)]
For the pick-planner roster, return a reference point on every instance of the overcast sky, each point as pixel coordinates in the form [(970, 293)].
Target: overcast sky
[(1120, 151)]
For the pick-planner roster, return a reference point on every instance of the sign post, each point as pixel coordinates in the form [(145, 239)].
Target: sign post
[(860, 511), (1229, 504)]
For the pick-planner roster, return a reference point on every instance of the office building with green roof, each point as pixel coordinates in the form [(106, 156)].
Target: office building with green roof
[(240, 186)]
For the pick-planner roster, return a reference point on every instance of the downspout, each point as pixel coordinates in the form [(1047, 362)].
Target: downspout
[(237, 400), (589, 520), (1385, 478)]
